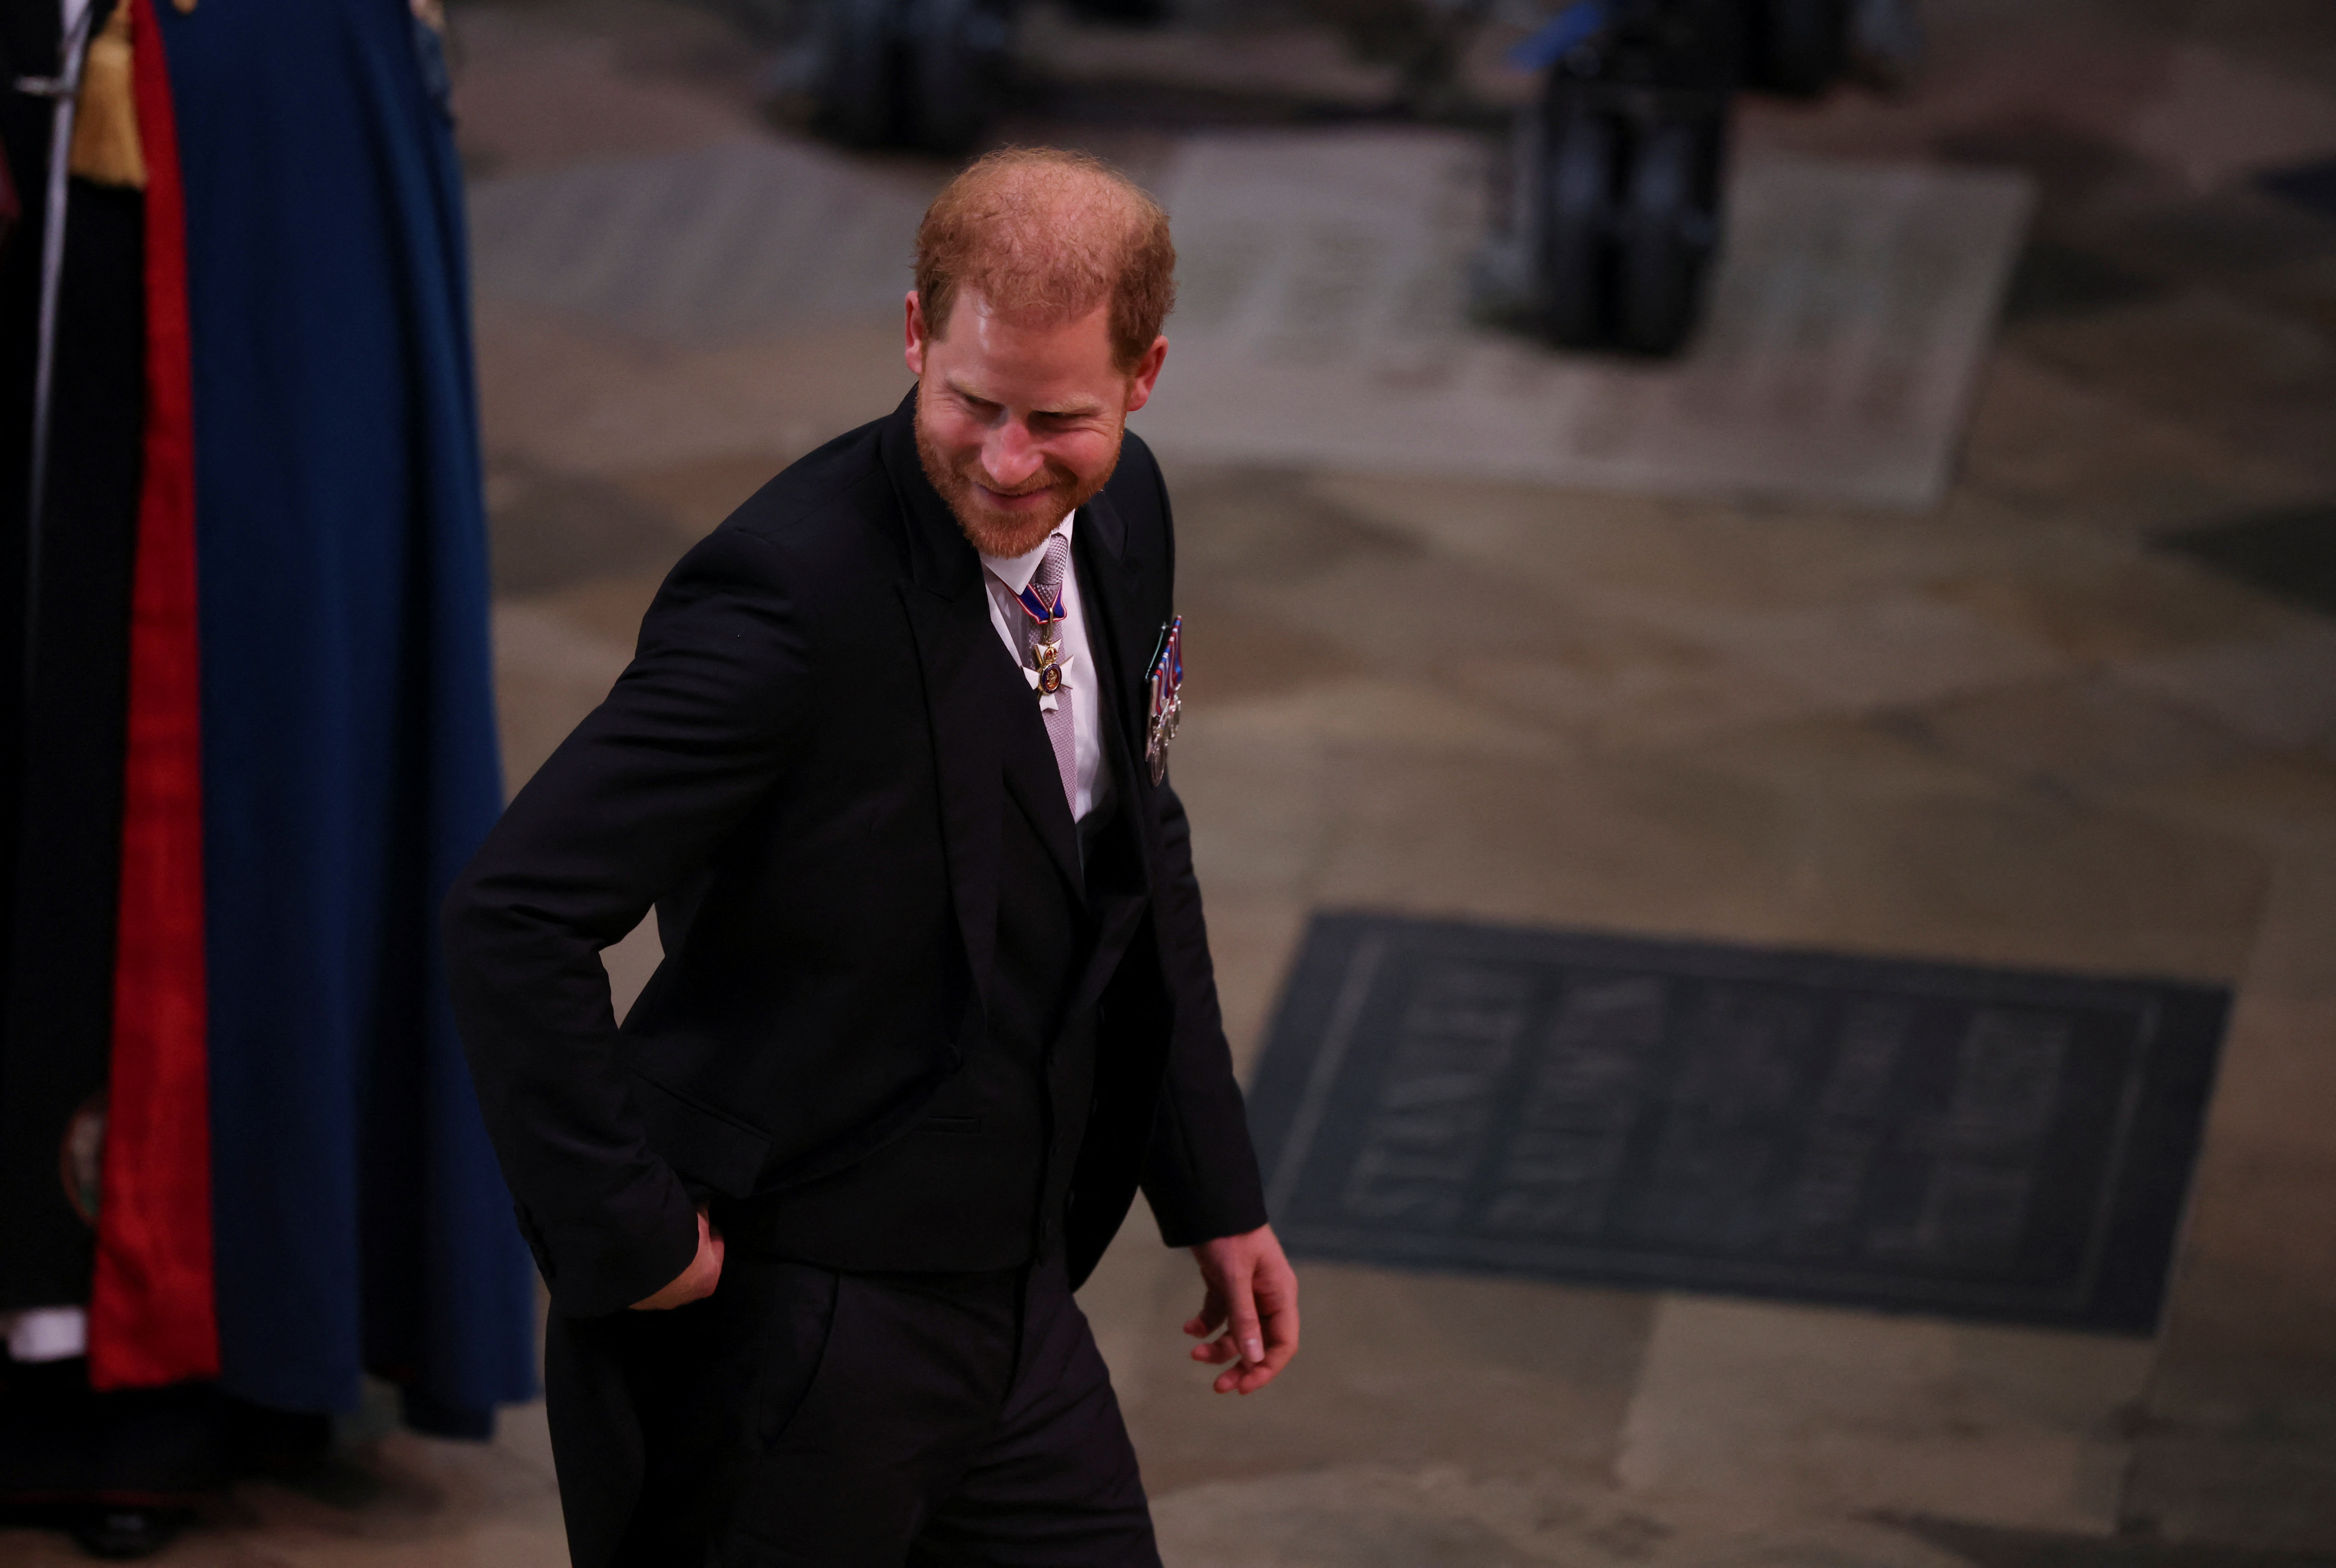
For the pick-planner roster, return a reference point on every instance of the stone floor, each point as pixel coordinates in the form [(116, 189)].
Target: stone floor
[(2020, 727)]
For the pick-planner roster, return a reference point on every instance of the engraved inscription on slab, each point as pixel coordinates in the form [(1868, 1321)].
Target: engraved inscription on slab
[(1829, 1127), (1437, 1097)]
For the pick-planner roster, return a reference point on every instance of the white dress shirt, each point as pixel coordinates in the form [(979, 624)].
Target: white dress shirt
[(1006, 577)]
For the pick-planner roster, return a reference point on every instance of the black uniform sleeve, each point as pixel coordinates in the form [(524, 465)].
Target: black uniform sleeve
[(1200, 1174), (697, 729)]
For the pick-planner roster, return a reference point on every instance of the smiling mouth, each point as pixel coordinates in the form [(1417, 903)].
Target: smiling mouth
[(1013, 498)]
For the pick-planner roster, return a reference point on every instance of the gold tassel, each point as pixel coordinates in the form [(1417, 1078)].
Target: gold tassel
[(105, 116)]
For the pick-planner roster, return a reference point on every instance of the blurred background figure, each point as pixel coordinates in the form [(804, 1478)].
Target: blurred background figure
[(251, 738)]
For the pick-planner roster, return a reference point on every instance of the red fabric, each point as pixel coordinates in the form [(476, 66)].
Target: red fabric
[(153, 1316)]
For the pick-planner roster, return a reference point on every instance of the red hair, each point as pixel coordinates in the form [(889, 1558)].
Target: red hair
[(1047, 236)]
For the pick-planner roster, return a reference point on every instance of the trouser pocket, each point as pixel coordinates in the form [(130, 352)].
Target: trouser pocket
[(713, 1384), (798, 1325)]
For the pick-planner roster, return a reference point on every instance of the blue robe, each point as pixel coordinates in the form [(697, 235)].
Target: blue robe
[(349, 755)]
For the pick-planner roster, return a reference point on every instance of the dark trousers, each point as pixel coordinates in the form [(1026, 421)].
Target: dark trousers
[(806, 1418)]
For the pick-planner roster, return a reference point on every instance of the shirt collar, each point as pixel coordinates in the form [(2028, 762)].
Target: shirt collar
[(1016, 571)]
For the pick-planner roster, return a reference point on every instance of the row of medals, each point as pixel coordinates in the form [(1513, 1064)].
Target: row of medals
[(1049, 657)]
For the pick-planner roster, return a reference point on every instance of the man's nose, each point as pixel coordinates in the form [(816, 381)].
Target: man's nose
[(1010, 455)]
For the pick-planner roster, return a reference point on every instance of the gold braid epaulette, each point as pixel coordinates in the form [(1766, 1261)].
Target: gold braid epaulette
[(105, 116)]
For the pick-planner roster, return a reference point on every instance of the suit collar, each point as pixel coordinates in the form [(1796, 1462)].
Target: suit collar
[(957, 648), (988, 738), (940, 559), (1106, 588), (1031, 776), (1105, 526), (949, 617)]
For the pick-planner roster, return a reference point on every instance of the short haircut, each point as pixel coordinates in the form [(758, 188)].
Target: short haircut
[(1046, 236)]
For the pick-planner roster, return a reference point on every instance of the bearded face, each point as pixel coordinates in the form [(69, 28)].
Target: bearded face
[(1019, 422), (1001, 520)]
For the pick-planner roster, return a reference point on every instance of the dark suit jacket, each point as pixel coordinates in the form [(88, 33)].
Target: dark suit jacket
[(794, 772)]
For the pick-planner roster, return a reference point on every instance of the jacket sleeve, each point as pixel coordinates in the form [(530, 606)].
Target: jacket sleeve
[(695, 733), (1200, 1173)]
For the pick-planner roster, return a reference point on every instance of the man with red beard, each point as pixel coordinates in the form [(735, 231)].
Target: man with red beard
[(891, 766)]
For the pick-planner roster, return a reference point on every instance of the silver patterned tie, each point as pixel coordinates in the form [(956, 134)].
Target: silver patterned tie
[(1043, 647)]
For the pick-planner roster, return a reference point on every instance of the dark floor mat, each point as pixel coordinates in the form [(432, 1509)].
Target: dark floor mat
[(2312, 184), (2290, 553), (2052, 281), (1973, 1142)]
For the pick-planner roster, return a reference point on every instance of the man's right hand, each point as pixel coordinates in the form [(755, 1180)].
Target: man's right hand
[(695, 1283)]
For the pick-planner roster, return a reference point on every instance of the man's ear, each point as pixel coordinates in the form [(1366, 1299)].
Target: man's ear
[(1146, 372), (915, 353)]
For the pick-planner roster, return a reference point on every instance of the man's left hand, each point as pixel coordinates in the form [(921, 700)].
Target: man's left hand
[(1252, 1296)]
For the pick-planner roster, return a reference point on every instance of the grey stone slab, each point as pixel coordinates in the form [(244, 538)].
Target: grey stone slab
[(1393, 1368), (539, 85), (2053, 445), (2081, 733), (569, 392), (2269, 1493), (549, 673), (2238, 1439), (2217, 116), (1322, 319), (2139, 1546), (1827, 832), (753, 236), (1625, 688), (1887, 651), (1825, 1411), (1382, 1515), (2285, 804), (1613, 552), (549, 530), (2251, 1347), (2279, 690), (2092, 599), (2253, 375)]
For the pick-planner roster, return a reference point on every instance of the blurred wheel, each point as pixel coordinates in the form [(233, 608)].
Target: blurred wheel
[(858, 92), (1798, 47), (1668, 230), (1574, 251), (957, 52), (1131, 12), (123, 1533)]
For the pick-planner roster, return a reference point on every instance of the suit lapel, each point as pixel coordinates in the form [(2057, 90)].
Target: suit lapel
[(1109, 576), (958, 649), (1031, 775), (987, 732)]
